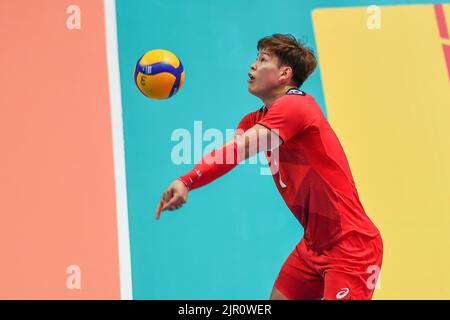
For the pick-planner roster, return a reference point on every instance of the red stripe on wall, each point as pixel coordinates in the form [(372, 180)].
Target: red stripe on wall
[(447, 57), (440, 17)]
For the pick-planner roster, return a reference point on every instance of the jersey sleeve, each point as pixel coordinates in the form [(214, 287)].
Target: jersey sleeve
[(246, 122), (288, 116)]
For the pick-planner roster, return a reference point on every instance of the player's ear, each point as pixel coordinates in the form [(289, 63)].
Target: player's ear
[(285, 73)]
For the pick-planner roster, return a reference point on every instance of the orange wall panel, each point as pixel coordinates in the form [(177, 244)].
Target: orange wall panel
[(57, 204)]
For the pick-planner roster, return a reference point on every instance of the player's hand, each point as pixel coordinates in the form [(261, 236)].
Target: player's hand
[(173, 198)]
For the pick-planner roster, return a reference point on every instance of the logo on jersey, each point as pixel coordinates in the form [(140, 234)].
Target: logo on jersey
[(342, 293), (296, 91)]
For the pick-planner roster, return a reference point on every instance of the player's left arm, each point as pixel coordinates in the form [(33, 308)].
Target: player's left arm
[(217, 163)]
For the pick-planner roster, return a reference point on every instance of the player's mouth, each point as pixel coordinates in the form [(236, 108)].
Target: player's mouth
[(250, 77)]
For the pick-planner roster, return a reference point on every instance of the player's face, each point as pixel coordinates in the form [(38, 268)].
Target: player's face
[(264, 75)]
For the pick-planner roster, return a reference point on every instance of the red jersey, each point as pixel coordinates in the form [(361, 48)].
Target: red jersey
[(312, 174)]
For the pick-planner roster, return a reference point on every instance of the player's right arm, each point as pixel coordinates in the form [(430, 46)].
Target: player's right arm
[(217, 163)]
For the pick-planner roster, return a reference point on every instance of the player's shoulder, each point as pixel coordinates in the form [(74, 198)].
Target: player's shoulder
[(248, 120), (296, 102)]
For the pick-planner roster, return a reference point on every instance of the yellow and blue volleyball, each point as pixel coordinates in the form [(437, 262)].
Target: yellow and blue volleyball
[(159, 74)]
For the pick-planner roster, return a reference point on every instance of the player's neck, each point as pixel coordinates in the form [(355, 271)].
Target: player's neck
[(281, 91)]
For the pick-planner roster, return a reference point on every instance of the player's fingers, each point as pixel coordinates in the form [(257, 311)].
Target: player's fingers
[(158, 210), (182, 199), (166, 196), (176, 205), (170, 204)]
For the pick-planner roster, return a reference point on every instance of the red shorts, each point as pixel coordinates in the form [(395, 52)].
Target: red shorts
[(349, 270)]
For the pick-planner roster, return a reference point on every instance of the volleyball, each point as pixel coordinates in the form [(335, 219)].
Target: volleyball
[(159, 74)]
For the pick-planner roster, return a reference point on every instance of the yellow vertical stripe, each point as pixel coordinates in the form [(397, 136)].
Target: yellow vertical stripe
[(387, 96)]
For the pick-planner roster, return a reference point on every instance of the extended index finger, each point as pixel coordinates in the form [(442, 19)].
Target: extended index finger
[(158, 210)]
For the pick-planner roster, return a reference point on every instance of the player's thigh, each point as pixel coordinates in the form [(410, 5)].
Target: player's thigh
[(297, 280)]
